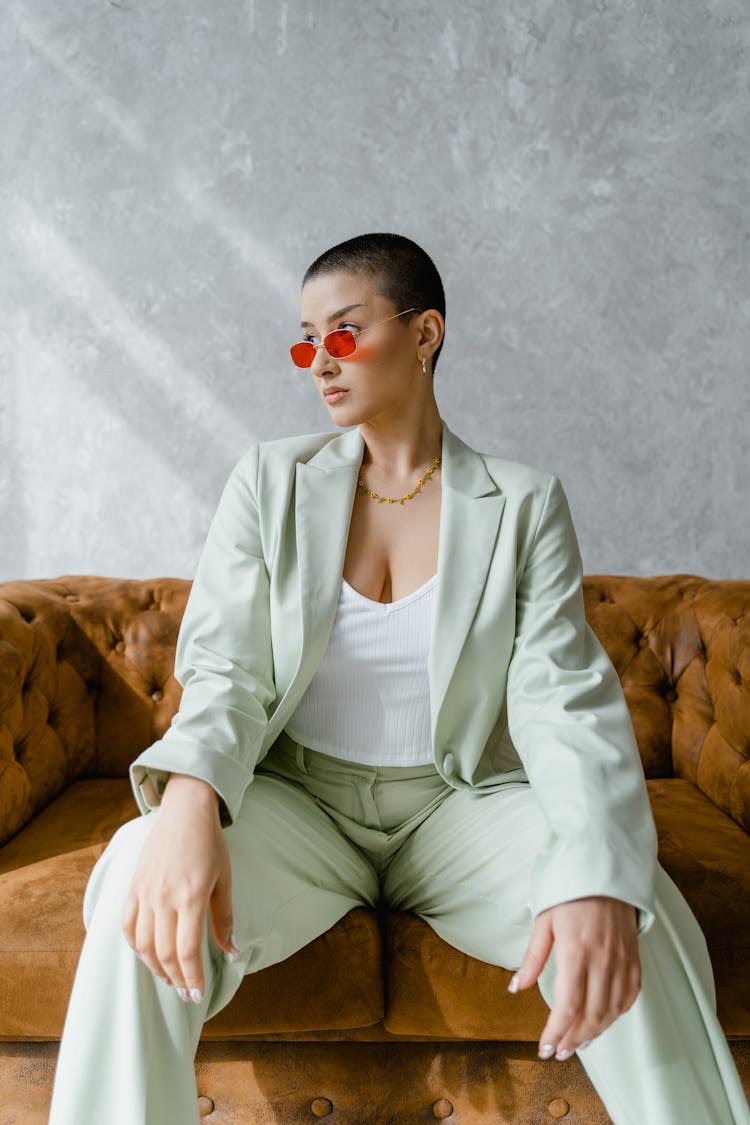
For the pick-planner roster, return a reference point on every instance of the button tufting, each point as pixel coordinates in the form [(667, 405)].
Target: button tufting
[(670, 695), (558, 1108), (120, 646), (442, 1109), (205, 1105), (71, 598), (157, 695), (642, 640), (321, 1107)]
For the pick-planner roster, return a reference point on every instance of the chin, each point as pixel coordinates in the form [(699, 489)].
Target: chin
[(346, 415)]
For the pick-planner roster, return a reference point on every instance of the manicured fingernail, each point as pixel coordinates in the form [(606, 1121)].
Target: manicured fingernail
[(547, 1051), (183, 994), (196, 995), (513, 983), (564, 1054), (582, 1046), (233, 943)]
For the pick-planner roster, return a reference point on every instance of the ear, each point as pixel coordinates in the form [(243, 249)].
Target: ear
[(431, 330)]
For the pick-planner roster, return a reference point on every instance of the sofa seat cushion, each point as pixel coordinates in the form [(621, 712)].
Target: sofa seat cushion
[(435, 990), (84, 817), (707, 855), (335, 982)]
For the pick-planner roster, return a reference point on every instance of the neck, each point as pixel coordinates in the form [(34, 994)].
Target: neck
[(402, 452)]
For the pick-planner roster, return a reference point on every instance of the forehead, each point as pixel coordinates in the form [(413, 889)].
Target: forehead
[(327, 294)]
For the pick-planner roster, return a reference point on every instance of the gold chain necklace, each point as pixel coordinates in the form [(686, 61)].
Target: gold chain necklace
[(390, 499)]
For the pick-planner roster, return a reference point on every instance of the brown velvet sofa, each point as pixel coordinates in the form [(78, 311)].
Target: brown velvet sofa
[(377, 1021)]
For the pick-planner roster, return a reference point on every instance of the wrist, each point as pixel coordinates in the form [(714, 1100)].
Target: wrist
[(181, 786)]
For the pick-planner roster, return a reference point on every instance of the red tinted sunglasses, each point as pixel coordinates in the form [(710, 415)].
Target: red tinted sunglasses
[(338, 344)]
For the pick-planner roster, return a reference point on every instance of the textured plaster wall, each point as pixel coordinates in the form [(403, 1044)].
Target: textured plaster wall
[(579, 172)]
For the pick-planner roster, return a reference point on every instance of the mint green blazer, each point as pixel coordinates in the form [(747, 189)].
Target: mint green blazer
[(521, 690)]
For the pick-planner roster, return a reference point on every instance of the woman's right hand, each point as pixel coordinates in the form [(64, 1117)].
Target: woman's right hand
[(184, 869)]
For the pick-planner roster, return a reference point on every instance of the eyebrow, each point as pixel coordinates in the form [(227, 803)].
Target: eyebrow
[(333, 316)]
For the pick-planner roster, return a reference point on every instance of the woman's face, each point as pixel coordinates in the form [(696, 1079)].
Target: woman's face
[(384, 371)]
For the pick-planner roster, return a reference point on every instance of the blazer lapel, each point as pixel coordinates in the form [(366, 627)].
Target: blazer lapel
[(471, 507), (472, 504), (324, 497)]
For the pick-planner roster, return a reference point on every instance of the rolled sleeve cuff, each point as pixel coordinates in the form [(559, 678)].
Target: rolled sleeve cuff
[(151, 769), (644, 915), (555, 883)]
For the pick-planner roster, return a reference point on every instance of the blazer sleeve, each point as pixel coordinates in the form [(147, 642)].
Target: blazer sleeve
[(569, 721), (223, 659)]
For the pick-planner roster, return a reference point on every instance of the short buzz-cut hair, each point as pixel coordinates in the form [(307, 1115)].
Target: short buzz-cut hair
[(401, 271)]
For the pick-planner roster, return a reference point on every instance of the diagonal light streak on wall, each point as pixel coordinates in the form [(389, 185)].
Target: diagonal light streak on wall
[(121, 121), (198, 201), (54, 258), (245, 245)]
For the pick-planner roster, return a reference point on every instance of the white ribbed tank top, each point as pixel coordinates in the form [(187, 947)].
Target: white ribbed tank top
[(369, 699)]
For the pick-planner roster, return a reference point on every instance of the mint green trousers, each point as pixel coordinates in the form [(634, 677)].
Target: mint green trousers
[(316, 837)]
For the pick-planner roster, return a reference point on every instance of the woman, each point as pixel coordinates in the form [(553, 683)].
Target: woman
[(386, 611)]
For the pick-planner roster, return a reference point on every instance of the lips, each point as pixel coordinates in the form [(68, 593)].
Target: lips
[(330, 392)]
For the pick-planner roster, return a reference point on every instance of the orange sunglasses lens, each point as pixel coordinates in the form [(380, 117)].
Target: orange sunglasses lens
[(338, 344)]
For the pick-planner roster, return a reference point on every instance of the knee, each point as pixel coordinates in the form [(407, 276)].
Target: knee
[(115, 867)]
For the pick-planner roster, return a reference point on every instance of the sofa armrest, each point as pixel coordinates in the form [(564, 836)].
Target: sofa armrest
[(46, 714), (86, 681)]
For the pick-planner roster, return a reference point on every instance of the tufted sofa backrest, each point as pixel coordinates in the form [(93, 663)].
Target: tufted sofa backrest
[(87, 662), (681, 646)]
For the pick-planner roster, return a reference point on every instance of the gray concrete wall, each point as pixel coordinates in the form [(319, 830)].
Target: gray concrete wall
[(578, 171)]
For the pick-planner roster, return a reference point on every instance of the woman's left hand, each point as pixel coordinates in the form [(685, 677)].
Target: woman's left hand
[(598, 969)]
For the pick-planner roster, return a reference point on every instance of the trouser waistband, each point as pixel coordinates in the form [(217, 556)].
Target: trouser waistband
[(307, 758)]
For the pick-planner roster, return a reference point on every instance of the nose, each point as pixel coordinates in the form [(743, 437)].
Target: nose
[(323, 361)]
